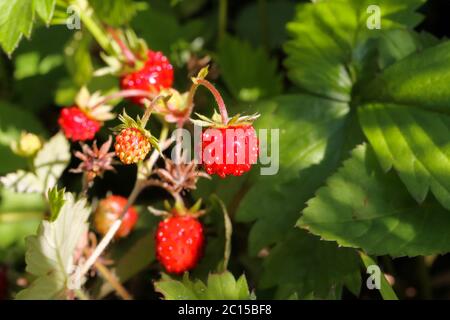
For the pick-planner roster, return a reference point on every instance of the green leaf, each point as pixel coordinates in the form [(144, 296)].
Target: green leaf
[(17, 18), (260, 79), (314, 133), (56, 201), (329, 37), (222, 286), (14, 120), (306, 157), (45, 9), (415, 143), (309, 264), (419, 80), (50, 253), (386, 290), (363, 207), (49, 164)]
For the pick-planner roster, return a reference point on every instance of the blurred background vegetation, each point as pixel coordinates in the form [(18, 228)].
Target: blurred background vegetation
[(45, 73)]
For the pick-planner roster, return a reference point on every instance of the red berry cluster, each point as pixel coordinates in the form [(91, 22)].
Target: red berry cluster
[(156, 74), (179, 243), (242, 150)]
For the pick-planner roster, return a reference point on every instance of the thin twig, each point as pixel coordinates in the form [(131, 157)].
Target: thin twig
[(139, 185), (217, 96), (125, 94), (112, 279)]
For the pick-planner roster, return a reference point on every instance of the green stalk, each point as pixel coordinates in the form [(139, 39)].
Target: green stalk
[(223, 15), (96, 31), (264, 23)]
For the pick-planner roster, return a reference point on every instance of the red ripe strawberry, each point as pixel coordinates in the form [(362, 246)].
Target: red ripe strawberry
[(82, 121), (156, 74), (77, 125), (229, 151), (109, 210), (131, 145), (229, 146), (179, 243)]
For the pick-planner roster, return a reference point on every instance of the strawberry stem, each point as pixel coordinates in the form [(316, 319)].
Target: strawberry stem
[(93, 27), (129, 56), (217, 96), (149, 108), (125, 94)]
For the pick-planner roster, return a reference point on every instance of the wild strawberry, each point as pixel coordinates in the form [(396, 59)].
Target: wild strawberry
[(156, 74), (77, 125), (109, 210), (82, 121), (229, 151), (133, 142), (179, 243), (229, 146)]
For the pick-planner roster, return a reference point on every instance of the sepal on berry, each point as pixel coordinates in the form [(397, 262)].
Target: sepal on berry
[(129, 122), (216, 120), (178, 209), (119, 63), (92, 105)]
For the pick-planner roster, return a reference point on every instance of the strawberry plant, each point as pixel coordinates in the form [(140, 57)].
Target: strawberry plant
[(224, 150)]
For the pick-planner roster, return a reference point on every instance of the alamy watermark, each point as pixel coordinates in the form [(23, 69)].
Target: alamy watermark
[(373, 22), (232, 146), (73, 21)]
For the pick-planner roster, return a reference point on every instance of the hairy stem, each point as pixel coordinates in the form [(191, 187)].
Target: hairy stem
[(149, 108), (129, 56), (217, 96), (112, 279), (125, 94)]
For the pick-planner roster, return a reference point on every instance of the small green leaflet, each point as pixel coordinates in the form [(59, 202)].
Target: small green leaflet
[(50, 253), (222, 286), (49, 164), (17, 18), (56, 199)]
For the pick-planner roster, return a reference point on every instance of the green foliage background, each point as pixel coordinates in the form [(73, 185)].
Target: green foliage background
[(364, 148)]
